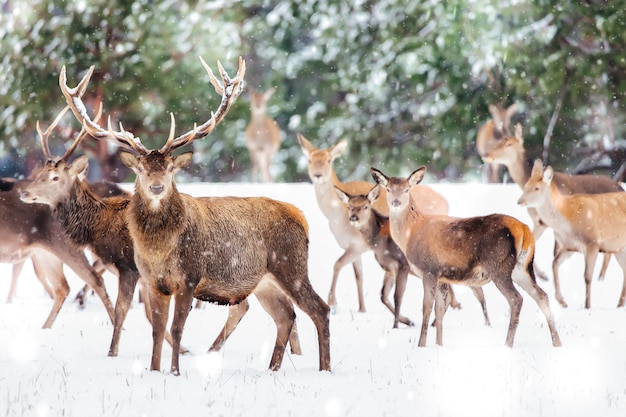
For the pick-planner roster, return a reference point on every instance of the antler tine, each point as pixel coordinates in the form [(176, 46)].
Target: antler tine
[(73, 97), (230, 89), (44, 135), (83, 132)]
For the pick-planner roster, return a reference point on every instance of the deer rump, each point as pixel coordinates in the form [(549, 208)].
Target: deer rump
[(468, 251), (225, 245)]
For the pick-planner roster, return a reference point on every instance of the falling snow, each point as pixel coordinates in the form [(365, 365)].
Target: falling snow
[(377, 370)]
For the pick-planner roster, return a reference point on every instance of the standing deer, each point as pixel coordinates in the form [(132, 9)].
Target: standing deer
[(215, 249), (28, 228), (375, 230), (511, 153), (99, 224), (472, 251), (348, 238), (585, 223), (262, 135), (490, 134)]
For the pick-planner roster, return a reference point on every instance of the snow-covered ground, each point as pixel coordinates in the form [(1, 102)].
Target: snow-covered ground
[(377, 370)]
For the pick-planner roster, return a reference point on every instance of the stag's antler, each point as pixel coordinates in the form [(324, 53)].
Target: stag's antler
[(230, 89), (45, 135), (73, 97)]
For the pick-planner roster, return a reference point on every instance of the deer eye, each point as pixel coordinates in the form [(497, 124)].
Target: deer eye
[(171, 169), (55, 178), (406, 190), (139, 169)]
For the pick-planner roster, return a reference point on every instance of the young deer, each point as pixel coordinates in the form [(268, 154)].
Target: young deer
[(262, 135), (473, 251), (585, 223), (350, 239), (215, 249), (490, 134), (511, 153), (374, 228)]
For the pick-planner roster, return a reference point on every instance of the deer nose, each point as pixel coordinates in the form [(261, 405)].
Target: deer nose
[(157, 189), (24, 195), (354, 218), (395, 203)]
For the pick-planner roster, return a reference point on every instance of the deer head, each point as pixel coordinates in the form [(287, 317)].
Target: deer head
[(155, 168), (359, 206), (398, 189)]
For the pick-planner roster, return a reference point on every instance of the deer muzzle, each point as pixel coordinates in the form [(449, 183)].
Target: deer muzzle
[(157, 189)]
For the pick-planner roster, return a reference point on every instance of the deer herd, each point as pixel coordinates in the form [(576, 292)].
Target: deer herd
[(175, 247)]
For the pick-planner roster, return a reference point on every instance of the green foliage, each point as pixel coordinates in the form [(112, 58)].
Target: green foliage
[(405, 82)]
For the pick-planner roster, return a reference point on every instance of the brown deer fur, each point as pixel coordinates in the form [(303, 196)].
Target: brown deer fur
[(473, 251), (262, 135), (585, 223), (324, 179), (490, 134), (24, 227), (511, 153)]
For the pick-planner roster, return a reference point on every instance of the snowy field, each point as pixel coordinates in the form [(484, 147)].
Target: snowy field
[(377, 370)]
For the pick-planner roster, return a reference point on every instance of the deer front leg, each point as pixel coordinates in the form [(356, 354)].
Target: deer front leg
[(160, 304), (559, 257), (127, 283), (183, 302), (441, 296), (590, 262), (430, 286)]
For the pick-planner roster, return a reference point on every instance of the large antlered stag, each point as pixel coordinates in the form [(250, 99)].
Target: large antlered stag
[(214, 249)]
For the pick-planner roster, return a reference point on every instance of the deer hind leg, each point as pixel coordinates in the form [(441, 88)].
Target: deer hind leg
[(621, 259), (145, 296), (61, 291), (441, 305), (605, 265), (505, 285), (528, 284), (235, 314), (399, 275), (353, 257), (480, 296), (15, 274), (279, 307), (127, 284)]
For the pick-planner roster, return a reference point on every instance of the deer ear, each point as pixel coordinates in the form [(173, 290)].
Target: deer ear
[(342, 195), (182, 160), (537, 168), (548, 173), (338, 148), (374, 193), (130, 160), (78, 168), (417, 176), (379, 177), (306, 146)]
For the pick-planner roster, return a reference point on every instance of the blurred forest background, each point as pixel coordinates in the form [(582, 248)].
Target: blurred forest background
[(406, 82)]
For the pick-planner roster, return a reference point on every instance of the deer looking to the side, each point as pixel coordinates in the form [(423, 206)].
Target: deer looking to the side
[(324, 179), (585, 223), (27, 228), (218, 249), (490, 134), (262, 135), (375, 229), (472, 251), (511, 153)]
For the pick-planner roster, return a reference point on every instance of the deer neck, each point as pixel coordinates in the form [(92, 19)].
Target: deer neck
[(79, 214), (551, 212), (156, 227), (327, 198), (403, 223), (519, 169)]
